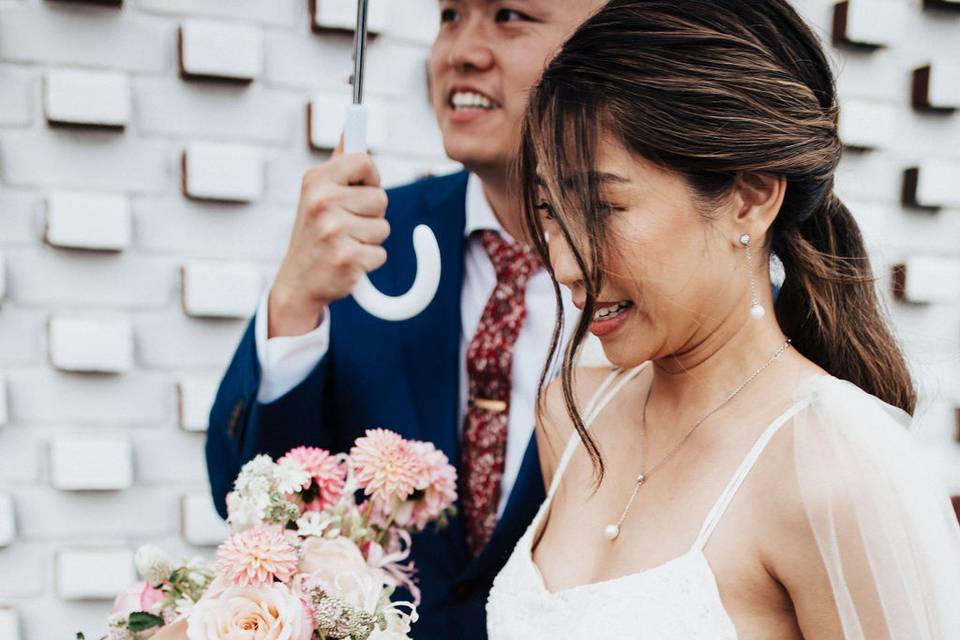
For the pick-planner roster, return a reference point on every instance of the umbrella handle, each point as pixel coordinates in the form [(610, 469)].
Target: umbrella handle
[(425, 247)]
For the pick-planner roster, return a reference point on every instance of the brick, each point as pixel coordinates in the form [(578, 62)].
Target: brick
[(88, 221), (867, 124), (16, 104), (326, 116), (206, 229), (88, 160), (419, 23), (18, 224), (868, 23), (221, 290), (90, 463), (22, 335), (45, 33), (932, 183), (94, 574), (45, 396), (927, 279), (210, 49), (308, 62), (94, 98), (9, 623), (341, 15), (8, 528), (936, 86), (45, 514), (91, 344), (169, 456), (196, 394), (231, 173), (200, 524), (172, 340), (418, 138), (91, 280), (216, 110), (283, 13), (32, 563), (19, 455), (397, 71), (3, 402)]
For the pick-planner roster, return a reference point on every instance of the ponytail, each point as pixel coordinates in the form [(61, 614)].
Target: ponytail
[(830, 308)]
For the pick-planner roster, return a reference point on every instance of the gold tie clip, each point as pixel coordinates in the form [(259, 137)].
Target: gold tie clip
[(496, 406)]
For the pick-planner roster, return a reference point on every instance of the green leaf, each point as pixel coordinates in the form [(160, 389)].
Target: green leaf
[(141, 621), (80, 636)]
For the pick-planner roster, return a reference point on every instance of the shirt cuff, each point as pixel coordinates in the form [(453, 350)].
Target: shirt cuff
[(285, 361)]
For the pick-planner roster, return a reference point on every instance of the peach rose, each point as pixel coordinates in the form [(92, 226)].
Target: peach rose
[(268, 612)]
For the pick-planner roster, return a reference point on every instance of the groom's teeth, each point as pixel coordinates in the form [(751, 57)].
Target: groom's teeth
[(610, 311), (471, 100)]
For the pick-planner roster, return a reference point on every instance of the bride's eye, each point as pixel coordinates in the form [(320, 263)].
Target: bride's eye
[(547, 210)]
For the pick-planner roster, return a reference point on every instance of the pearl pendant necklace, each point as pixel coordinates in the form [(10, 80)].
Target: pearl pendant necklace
[(612, 531)]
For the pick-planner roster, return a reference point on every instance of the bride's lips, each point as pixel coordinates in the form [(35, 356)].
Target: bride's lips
[(617, 313)]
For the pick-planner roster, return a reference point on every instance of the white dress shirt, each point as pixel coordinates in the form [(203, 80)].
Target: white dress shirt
[(286, 361)]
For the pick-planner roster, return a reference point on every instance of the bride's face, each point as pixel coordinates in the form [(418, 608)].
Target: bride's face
[(671, 273)]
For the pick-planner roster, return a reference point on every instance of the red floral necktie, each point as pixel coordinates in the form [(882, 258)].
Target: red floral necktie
[(489, 360)]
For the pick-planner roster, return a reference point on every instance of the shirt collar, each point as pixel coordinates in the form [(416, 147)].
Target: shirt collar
[(479, 213)]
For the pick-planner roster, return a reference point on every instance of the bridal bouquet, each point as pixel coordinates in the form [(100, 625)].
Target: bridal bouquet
[(318, 543)]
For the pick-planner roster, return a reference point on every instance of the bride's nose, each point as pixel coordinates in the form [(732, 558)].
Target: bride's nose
[(564, 262)]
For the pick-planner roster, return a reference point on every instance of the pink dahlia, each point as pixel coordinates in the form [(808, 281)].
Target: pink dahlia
[(328, 473), (257, 556), (438, 482), (386, 466)]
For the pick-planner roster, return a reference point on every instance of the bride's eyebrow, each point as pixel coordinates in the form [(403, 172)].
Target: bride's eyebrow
[(602, 177)]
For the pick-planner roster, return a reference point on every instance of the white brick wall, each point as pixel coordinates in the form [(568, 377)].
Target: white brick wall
[(176, 272)]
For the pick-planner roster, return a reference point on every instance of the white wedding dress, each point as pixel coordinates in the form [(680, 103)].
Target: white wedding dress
[(855, 466)]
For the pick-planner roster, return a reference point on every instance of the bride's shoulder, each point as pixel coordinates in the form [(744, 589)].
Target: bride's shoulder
[(840, 446), (554, 424)]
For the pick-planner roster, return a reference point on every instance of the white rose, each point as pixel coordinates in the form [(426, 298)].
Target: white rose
[(338, 567), (269, 612)]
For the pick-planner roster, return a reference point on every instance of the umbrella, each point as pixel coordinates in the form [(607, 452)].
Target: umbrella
[(425, 246)]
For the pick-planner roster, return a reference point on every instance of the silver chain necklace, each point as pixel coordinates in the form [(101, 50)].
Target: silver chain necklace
[(612, 531)]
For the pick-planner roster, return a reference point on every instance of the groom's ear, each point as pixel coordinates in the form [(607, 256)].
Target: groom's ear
[(758, 198)]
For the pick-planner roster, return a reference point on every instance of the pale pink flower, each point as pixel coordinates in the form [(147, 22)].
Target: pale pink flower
[(140, 596), (326, 470), (257, 556), (438, 483), (386, 466)]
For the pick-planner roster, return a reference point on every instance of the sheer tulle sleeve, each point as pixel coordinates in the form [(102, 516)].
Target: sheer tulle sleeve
[(887, 536)]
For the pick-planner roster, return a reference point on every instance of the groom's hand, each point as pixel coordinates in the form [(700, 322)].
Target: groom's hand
[(336, 239)]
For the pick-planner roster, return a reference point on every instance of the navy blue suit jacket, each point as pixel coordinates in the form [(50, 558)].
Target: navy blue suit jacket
[(402, 376)]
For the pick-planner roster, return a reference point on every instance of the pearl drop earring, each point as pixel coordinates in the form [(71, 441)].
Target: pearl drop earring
[(756, 309)]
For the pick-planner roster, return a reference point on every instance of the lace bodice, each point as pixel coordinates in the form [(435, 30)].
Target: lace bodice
[(676, 600)]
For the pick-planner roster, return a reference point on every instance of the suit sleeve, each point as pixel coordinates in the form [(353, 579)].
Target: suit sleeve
[(241, 427)]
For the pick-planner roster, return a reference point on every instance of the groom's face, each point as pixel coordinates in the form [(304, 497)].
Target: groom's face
[(485, 60)]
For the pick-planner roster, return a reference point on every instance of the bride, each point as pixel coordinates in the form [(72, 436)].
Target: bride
[(746, 472)]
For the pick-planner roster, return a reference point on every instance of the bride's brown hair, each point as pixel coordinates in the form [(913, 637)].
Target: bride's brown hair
[(712, 89)]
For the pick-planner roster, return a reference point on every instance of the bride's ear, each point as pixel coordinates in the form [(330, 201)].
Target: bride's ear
[(757, 198)]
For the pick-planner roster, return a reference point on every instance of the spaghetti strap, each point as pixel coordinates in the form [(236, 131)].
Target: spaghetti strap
[(713, 517), (598, 402)]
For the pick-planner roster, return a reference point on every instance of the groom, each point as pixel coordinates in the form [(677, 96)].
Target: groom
[(314, 369)]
